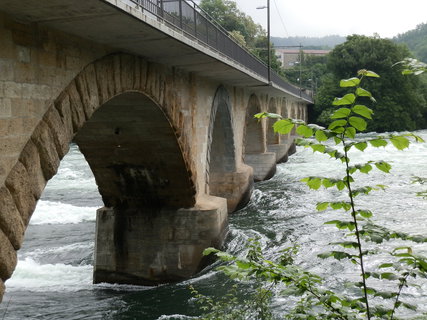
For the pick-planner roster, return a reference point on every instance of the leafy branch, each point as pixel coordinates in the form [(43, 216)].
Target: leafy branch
[(349, 118)]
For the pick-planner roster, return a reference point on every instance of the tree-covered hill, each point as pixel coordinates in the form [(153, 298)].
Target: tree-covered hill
[(327, 42), (416, 40)]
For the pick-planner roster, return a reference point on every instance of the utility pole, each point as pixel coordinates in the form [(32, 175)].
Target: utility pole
[(268, 39)]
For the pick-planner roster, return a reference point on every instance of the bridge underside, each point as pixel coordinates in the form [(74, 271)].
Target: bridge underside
[(150, 230), (169, 157)]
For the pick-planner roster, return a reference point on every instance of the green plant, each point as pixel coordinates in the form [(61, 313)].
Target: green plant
[(413, 66), (423, 181), (368, 300)]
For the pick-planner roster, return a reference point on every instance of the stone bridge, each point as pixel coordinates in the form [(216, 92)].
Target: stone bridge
[(164, 120)]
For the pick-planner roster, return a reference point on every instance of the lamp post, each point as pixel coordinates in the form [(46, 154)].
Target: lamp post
[(268, 39)]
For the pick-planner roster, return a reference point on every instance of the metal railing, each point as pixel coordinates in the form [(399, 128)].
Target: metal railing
[(188, 17)]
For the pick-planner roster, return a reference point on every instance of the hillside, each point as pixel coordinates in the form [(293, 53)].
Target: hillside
[(416, 40), (327, 42)]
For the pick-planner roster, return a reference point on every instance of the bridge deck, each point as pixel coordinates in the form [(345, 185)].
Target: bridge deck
[(124, 26)]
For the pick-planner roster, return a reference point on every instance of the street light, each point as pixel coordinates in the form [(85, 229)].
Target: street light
[(268, 38)]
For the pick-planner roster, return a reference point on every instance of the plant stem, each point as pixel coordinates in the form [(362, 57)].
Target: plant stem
[(401, 285), (353, 214)]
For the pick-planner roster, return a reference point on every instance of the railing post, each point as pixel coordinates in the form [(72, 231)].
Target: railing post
[(195, 20), (180, 13), (161, 9)]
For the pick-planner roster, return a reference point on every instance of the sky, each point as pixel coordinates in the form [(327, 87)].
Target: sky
[(320, 18)]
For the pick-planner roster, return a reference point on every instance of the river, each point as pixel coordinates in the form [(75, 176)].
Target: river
[(53, 278)]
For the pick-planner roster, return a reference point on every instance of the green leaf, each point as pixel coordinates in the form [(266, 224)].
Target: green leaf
[(341, 113), (350, 132), (283, 126), (243, 264), (340, 185), (347, 244), (371, 74), (365, 213), (337, 140), (367, 73), (325, 255), (366, 168), (314, 183), (363, 111), (400, 142), (342, 224), (378, 143), (318, 147), (383, 166), (389, 276), (337, 123), (340, 205), (361, 146), (385, 265), (409, 306), (268, 115), (321, 136), (358, 123), (322, 206), (208, 251), (328, 183), (304, 131), (352, 82), (363, 93), (261, 115), (224, 256), (349, 98), (385, 294), (339, 255)]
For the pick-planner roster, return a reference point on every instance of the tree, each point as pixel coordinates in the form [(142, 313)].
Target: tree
[(241, 27), (401, 104), (309, 72), (416, 40)]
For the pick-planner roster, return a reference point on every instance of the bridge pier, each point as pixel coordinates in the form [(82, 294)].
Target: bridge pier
[(236, 187), (148, 247), (281, 151), (264, 164)]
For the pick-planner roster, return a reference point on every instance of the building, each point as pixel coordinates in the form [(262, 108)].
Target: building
[(291, 57)]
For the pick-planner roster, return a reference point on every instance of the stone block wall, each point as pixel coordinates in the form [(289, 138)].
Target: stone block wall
[(50, 85)]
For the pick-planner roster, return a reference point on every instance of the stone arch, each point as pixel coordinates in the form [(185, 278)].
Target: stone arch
[(254, 140), (256, 155), (272, 137), (221, 154), (104, 82), (134, 155), (225, 178), (285, 109)]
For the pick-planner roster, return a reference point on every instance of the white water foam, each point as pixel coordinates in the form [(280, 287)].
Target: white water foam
[(31, 276), (50, 212)]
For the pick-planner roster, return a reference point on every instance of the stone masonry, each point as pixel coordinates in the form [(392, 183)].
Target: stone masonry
[(56, 88)]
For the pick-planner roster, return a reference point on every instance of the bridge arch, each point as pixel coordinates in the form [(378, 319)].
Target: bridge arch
[(140, 166), (272, 137), (95, 103), (221, 154), (255, 152), (254, 139)]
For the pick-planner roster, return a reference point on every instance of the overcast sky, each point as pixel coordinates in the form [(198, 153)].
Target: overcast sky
[(326, 17)]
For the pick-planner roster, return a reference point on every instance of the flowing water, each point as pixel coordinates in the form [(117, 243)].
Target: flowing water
[(53, 278)]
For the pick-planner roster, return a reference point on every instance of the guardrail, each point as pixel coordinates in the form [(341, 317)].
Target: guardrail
[(187, 16)]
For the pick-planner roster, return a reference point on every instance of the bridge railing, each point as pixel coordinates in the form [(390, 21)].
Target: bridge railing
[(186, 16)]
